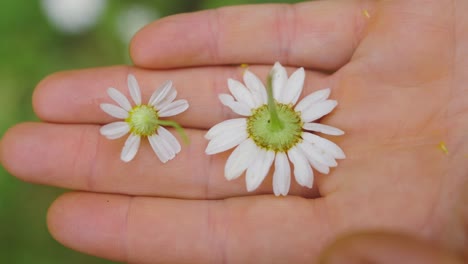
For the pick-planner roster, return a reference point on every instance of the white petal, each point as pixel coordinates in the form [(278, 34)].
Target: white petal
[(170, 139), (160, 93), (320, 167), (315, 97), (302, 170), (226, 141), (168, 99), (256, 87), (258, 170), (325, 145), (130, 148), (237, 107), (294, 87), (329, 130), (115, 130), (279, 79), (174, 108), (282, 175), (318, 110), (167, 148), (157, 144), (241, 93), (240, 159), (162, 142), (134, 89), (119, 98), (114, 111), (313, 153), (226, 126)]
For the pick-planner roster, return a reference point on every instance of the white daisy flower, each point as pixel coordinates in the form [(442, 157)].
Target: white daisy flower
[(143, 120), (275, 130)]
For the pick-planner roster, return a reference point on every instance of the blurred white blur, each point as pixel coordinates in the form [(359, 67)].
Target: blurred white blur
[(73, 16)]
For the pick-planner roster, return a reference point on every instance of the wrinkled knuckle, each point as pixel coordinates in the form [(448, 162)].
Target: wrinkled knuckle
[(217, 225), (85, 160)]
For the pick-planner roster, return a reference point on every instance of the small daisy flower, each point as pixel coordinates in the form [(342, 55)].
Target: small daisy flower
[(143, 120), (275, 129)]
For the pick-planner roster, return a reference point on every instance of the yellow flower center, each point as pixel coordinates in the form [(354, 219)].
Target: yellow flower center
[(143, 120), (270, 137)]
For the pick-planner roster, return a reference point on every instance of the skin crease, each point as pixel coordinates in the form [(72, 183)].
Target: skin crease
[(399, 78)]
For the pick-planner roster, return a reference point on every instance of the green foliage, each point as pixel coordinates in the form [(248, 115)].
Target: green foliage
[(30, 49)]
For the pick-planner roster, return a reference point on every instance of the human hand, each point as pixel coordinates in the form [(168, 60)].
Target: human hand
[(397, 76), (386, 248)]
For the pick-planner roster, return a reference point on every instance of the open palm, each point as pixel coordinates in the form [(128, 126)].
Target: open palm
[(397, 75)]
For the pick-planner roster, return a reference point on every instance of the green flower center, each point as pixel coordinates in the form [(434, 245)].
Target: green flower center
[(143, 120), (269, 136)]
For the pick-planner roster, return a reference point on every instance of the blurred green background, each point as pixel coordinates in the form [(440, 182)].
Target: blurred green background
[(35, 41)]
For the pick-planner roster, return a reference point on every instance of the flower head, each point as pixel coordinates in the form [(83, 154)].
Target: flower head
[(275, 129), (143, 120)]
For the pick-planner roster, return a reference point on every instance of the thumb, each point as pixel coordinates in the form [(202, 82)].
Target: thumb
[(383, 248)]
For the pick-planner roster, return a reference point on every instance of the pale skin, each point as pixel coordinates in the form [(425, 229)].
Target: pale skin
[(400, 78)]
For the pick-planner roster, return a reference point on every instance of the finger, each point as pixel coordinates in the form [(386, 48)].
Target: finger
[(319, 35), (74, 97), (154, 230), (78, 157), (381, 247)]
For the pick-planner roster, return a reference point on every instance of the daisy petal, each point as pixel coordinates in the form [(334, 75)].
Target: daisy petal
[(170, 96), (329, 130), (256, 87), (258, 170), (318, 110), (157, 144), (237, 107), (130, 148), (170, 139), (314, 153), (226, 141), (226, 126), (164, 144), (294, 87), (315, 97), (240, 159), (114, 111), (174, 108), (279, 79), (241, 93), (119, 98), (322, 168), (115, 130), (302, 170), (170, 152), (160, 93), (134, 89), (325, 145), (282, 175)]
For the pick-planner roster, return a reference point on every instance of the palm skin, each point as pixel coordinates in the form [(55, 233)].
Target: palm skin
[(398, 77)]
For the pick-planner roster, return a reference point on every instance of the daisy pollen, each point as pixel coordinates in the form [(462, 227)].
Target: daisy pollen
[(143, 120), (275, 129)]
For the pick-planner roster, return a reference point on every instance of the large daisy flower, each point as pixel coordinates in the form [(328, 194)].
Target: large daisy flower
[(275, 130), (143, 120)]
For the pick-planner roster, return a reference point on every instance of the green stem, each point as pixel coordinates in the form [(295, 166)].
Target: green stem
[(177, 127), (275, 122)]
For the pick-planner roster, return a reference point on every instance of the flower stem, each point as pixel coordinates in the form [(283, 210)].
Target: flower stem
[(177, 127), (275, 122)]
